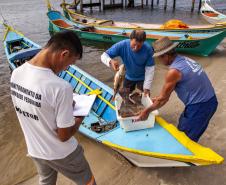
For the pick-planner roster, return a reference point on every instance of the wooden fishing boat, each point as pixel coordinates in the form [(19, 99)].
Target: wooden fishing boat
[(193, 43), (210, 15), (160, 146), (18, 48), (90, 21)]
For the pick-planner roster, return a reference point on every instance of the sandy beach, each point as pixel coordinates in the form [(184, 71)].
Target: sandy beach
[(109, 167)]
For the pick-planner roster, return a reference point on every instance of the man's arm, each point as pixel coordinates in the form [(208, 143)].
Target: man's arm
[(112, 52), (172, 77), (66, 133), (108, 61), (149, 72), (149, 75), (66, 124)]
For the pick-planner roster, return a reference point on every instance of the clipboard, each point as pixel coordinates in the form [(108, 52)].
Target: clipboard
[(83, 104)]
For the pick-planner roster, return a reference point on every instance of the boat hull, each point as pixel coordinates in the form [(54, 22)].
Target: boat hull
[(202, 47), (73, 16), (25, 48), (212, 16), (147, 161)]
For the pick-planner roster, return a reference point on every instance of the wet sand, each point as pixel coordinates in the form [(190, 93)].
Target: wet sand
[(109, 167)]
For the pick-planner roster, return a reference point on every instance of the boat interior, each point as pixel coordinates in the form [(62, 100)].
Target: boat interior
[(20, 51), (102, 117), (91, 21), (63, 24), (210, 13), (17, 45)]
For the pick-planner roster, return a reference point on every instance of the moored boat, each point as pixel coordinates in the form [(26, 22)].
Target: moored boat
[(163, 145), (193, 43), (91, 21), (212, 16), (18, 48)]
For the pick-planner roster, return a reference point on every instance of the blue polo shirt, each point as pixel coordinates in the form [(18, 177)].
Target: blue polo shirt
[(134, 62)]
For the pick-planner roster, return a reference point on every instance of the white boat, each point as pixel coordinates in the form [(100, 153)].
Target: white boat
[(210, 15)]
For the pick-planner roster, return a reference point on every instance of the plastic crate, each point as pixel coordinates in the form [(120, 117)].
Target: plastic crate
[(127, 123)]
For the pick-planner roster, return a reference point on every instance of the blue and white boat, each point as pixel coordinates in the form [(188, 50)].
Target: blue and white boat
[(211, 15), (160, 146), (18, 48)]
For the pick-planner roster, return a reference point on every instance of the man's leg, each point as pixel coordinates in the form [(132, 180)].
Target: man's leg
[(195, 118), (206, 112), (75, 167), (47, 175), (140, 85), (129, 84)]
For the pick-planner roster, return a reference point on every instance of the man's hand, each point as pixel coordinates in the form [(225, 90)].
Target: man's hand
[(66, 133), (143, 115), (79, 119), (114, 64), (154, 99), (78, 122), (146, 92)]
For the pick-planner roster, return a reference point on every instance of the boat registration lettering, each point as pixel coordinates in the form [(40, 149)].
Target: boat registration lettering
[(106, 37), (189, 44)]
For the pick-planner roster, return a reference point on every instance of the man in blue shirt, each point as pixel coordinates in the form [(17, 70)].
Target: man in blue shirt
[(136, 54), (192, 86)]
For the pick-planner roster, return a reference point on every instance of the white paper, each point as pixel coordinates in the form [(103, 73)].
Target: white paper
[(83, 104)]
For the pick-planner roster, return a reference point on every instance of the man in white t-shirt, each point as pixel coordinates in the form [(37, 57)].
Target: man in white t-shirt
[(43, 103)]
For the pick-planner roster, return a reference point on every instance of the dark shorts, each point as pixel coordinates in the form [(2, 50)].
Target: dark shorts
[(133, 84), (195, 118)]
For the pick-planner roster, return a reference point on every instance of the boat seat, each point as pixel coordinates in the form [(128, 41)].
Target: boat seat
[(62, 23), (16, 48), (24, 54), (14, 41), (106, 22), (19, 62), (210, 14)]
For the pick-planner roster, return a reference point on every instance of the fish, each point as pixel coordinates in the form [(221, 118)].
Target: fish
[(119, 79), (131, 104), (135, 97)]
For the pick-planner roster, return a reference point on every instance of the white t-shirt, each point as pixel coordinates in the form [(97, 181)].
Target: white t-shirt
[(43, 102)]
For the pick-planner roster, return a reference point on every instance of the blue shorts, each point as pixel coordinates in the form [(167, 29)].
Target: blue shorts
[(195, 118)]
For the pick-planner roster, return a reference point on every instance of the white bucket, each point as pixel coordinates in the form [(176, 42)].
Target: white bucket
[(127, 123)]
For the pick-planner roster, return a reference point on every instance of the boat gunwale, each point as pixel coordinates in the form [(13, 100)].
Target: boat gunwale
[(217, 26), (64, 19)]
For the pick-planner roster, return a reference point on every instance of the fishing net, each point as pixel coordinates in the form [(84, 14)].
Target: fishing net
[(174, 24)]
